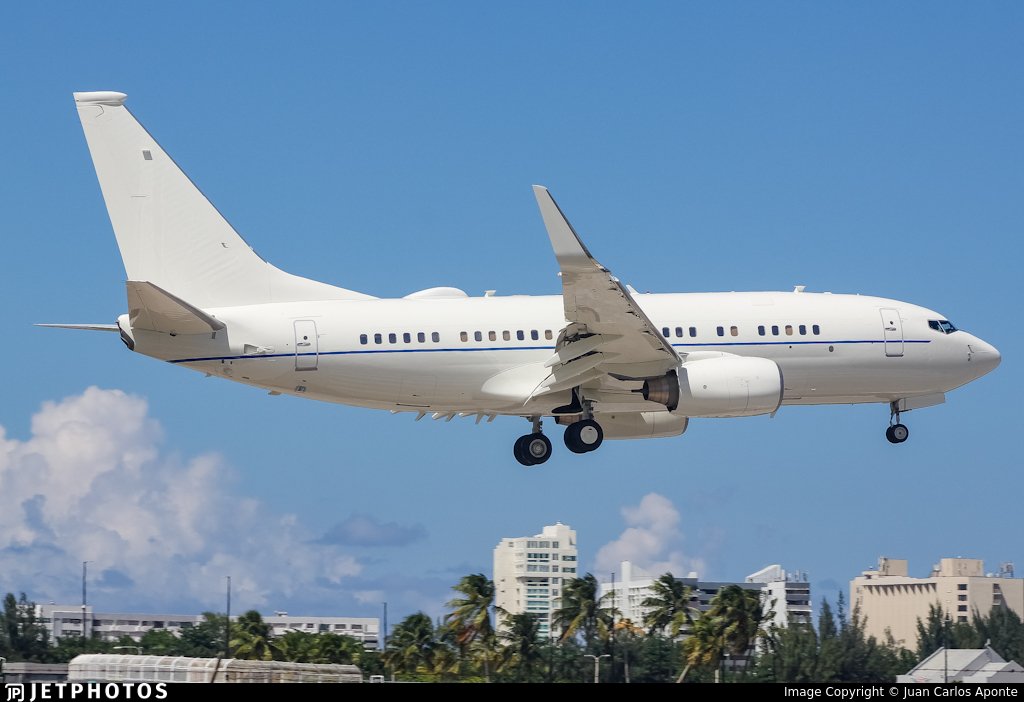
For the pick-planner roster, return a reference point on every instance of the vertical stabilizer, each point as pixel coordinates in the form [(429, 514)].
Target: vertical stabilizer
[(169, 234)]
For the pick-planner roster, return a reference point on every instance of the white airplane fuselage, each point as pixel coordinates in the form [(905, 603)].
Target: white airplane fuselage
[(369, 353), (602, 359)]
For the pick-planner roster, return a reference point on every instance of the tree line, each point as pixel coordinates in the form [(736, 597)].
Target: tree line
[(24, 638), (733, 640)]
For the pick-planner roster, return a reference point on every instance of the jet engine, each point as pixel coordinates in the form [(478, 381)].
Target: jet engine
[(731, 386)]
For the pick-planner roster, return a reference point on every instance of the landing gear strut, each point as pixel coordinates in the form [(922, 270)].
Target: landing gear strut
[(896, 433), (532, 449)]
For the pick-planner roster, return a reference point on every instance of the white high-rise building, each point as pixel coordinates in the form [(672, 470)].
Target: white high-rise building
[(786, 595), (530, 572)]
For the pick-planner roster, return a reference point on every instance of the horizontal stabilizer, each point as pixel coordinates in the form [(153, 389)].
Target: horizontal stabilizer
[(82, 327), (154, 309)]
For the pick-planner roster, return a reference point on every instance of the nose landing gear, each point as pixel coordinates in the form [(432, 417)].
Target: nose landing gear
[(896, 433)]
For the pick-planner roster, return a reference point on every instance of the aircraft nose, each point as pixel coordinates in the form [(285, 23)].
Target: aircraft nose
[(986, 356)]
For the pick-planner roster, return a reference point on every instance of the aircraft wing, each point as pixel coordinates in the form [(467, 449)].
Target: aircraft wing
[(608, 335)]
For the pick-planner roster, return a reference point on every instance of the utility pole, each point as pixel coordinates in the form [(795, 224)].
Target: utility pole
[(597, 664), (227, 624), (85, 566), (384, 637), (945, 649), (611, 646)]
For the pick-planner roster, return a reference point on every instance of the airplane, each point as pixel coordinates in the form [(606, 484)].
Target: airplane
[(601, 359)]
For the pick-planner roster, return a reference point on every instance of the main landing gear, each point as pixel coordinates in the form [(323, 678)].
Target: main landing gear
[(896, 433), (583, 436), (533, 449)]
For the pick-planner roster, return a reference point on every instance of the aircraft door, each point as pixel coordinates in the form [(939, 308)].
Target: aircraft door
[(307, 348), (892, 331)]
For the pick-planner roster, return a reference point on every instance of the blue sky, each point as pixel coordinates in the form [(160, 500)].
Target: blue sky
[(389, 147)]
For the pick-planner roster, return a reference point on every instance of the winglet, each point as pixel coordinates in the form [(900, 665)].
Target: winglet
[(569, 249)]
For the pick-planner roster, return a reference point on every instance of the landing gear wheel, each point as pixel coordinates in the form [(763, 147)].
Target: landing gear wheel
[(519, 451), (583, 436), (532, 449), (897, 433)]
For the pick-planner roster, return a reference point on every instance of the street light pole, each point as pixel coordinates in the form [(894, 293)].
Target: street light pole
[(597, 664)]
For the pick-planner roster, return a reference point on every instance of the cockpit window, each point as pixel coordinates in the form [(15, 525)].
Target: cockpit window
[(942, 325)]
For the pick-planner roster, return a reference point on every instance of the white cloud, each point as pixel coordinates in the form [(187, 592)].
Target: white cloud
[(651, 540), (91, 483)]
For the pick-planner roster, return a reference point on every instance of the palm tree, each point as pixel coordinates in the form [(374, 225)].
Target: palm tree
[(298, 647), (582, 611), (336, 648), (470, 618), (741, 614), (669, 606), (522, 651), (703, 647), (412, 645), (253, 640)]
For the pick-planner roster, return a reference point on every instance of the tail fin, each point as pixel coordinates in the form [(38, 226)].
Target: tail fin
[(168, 232)]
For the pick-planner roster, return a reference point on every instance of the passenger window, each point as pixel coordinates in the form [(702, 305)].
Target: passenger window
[(721, 331), (464, 336), (506, 335), (803, 330), (421, 337), (479, 336), (377, 339), (815, 329), (734, 331), (407, 338), (392, 338), (435, 337), (760, 330), (664, 332), (520, 335), (534, 335), (679, 331), (775, 330), (492, 336), (548, 335), (789, 330), (693, 332), (362, 339)]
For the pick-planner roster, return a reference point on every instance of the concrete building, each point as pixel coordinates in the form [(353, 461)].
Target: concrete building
[(788, 595), (366, 629), (891, 601), (965, 665), (530, 571), (66, 620)]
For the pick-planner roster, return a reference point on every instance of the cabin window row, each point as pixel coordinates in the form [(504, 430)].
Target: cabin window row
[(733, 330), (506, 335), (392, 338), (788, 330)]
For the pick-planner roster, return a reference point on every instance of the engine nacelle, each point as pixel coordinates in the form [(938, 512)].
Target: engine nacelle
[(731, 386), (641, 425)]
